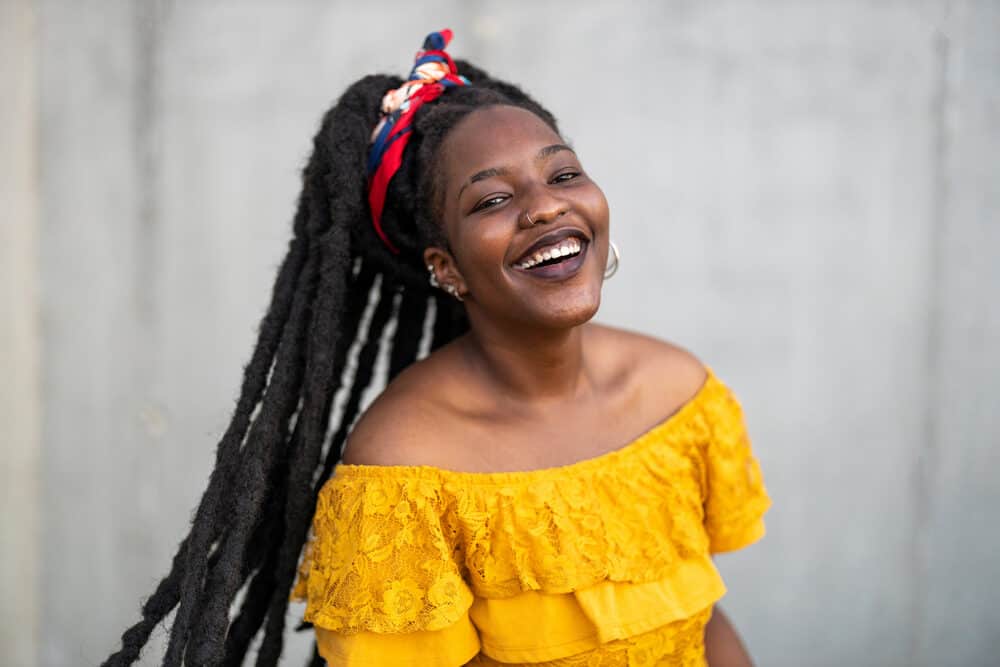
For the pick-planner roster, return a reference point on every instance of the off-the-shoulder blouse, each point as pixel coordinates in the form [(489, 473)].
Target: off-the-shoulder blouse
[(606, 561)]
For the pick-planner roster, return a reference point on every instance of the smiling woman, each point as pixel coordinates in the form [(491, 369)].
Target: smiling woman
[(512, 227), (537, 490)]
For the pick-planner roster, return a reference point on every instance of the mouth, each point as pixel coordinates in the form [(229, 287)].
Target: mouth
[(555, 255)]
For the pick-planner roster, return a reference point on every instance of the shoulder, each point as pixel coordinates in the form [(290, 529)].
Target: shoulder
[(394, 429), (657, 366)]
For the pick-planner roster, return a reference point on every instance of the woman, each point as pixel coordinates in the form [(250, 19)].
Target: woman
[(538, 490)]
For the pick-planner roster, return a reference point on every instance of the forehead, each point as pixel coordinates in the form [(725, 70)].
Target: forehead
[(497, 136)]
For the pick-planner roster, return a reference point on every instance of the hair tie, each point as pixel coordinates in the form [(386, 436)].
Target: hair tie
[(433, 71)]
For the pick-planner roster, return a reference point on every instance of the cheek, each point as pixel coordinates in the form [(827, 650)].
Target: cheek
[(597, 207), (482, 249)]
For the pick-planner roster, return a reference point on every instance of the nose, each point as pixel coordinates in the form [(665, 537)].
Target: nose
[(541, 206)]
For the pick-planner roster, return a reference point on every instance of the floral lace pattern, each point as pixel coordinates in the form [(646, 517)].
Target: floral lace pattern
[(396, 549), (734, 491), (381, 560)]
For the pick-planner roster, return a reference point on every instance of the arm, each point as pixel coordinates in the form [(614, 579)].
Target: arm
[(723, 647)]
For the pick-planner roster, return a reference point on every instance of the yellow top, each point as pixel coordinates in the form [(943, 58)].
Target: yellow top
[(605, 561)]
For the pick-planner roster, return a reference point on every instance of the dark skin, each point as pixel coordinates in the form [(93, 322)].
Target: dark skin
[(534, 384)]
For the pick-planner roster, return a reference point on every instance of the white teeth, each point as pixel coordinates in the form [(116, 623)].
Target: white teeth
[(563, 249)]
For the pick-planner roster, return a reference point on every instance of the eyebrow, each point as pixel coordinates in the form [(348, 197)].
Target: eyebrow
[(553, 149), (503, 171)]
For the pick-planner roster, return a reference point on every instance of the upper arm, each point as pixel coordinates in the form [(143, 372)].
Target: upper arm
[(736, 497), (672, 373), (378, 439), (393, 430)]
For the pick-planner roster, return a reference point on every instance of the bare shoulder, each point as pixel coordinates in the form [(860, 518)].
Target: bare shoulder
[(394, 429), (663, 367)]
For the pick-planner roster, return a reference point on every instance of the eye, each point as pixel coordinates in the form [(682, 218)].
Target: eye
[(489, 202), (565, 176)]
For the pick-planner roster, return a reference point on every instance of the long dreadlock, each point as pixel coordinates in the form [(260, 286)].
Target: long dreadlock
[(280, 447)]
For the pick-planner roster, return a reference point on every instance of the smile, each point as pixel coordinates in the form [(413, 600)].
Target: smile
[(555, 261), (554, 254)]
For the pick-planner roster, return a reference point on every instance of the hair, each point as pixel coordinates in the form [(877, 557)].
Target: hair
[(281, 444)]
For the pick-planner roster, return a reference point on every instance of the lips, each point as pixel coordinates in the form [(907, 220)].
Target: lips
[(556, 256), (551, 239)]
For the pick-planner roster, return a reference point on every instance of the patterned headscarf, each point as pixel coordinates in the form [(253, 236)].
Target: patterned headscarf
[(433, 71)]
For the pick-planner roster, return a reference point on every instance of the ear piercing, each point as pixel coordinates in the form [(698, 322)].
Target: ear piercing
[(449, 288), (433, 278)]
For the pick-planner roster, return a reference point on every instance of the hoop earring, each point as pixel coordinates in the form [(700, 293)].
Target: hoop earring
[(433, 277), (613, 264)]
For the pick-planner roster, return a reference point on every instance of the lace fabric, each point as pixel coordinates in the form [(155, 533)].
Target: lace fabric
[(382, 559), (407, 549)]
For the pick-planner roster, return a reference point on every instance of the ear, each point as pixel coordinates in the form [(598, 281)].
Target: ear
[(445, 269)]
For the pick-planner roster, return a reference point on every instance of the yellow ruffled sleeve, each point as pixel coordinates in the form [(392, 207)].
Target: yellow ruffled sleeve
[(380, 574), (735, 498)]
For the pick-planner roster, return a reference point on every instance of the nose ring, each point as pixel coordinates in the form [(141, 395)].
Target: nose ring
[(530, 221)]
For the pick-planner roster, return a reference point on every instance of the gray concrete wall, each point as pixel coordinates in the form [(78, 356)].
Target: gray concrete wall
[(805, 194), (20, 336)]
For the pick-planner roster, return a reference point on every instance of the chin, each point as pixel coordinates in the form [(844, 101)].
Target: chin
[(568, 311)]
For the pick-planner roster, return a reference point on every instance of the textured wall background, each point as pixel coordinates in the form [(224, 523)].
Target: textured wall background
[(806, 195), (20, 338)]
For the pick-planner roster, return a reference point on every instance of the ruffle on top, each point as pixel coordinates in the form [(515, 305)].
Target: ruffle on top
[(544, 563)]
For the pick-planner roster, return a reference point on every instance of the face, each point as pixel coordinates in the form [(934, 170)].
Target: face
[(527, 228)]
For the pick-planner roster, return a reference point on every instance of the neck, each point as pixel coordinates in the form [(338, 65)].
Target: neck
[(530, 364)]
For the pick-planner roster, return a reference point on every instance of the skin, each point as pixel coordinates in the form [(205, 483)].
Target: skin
[(534, 384)]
